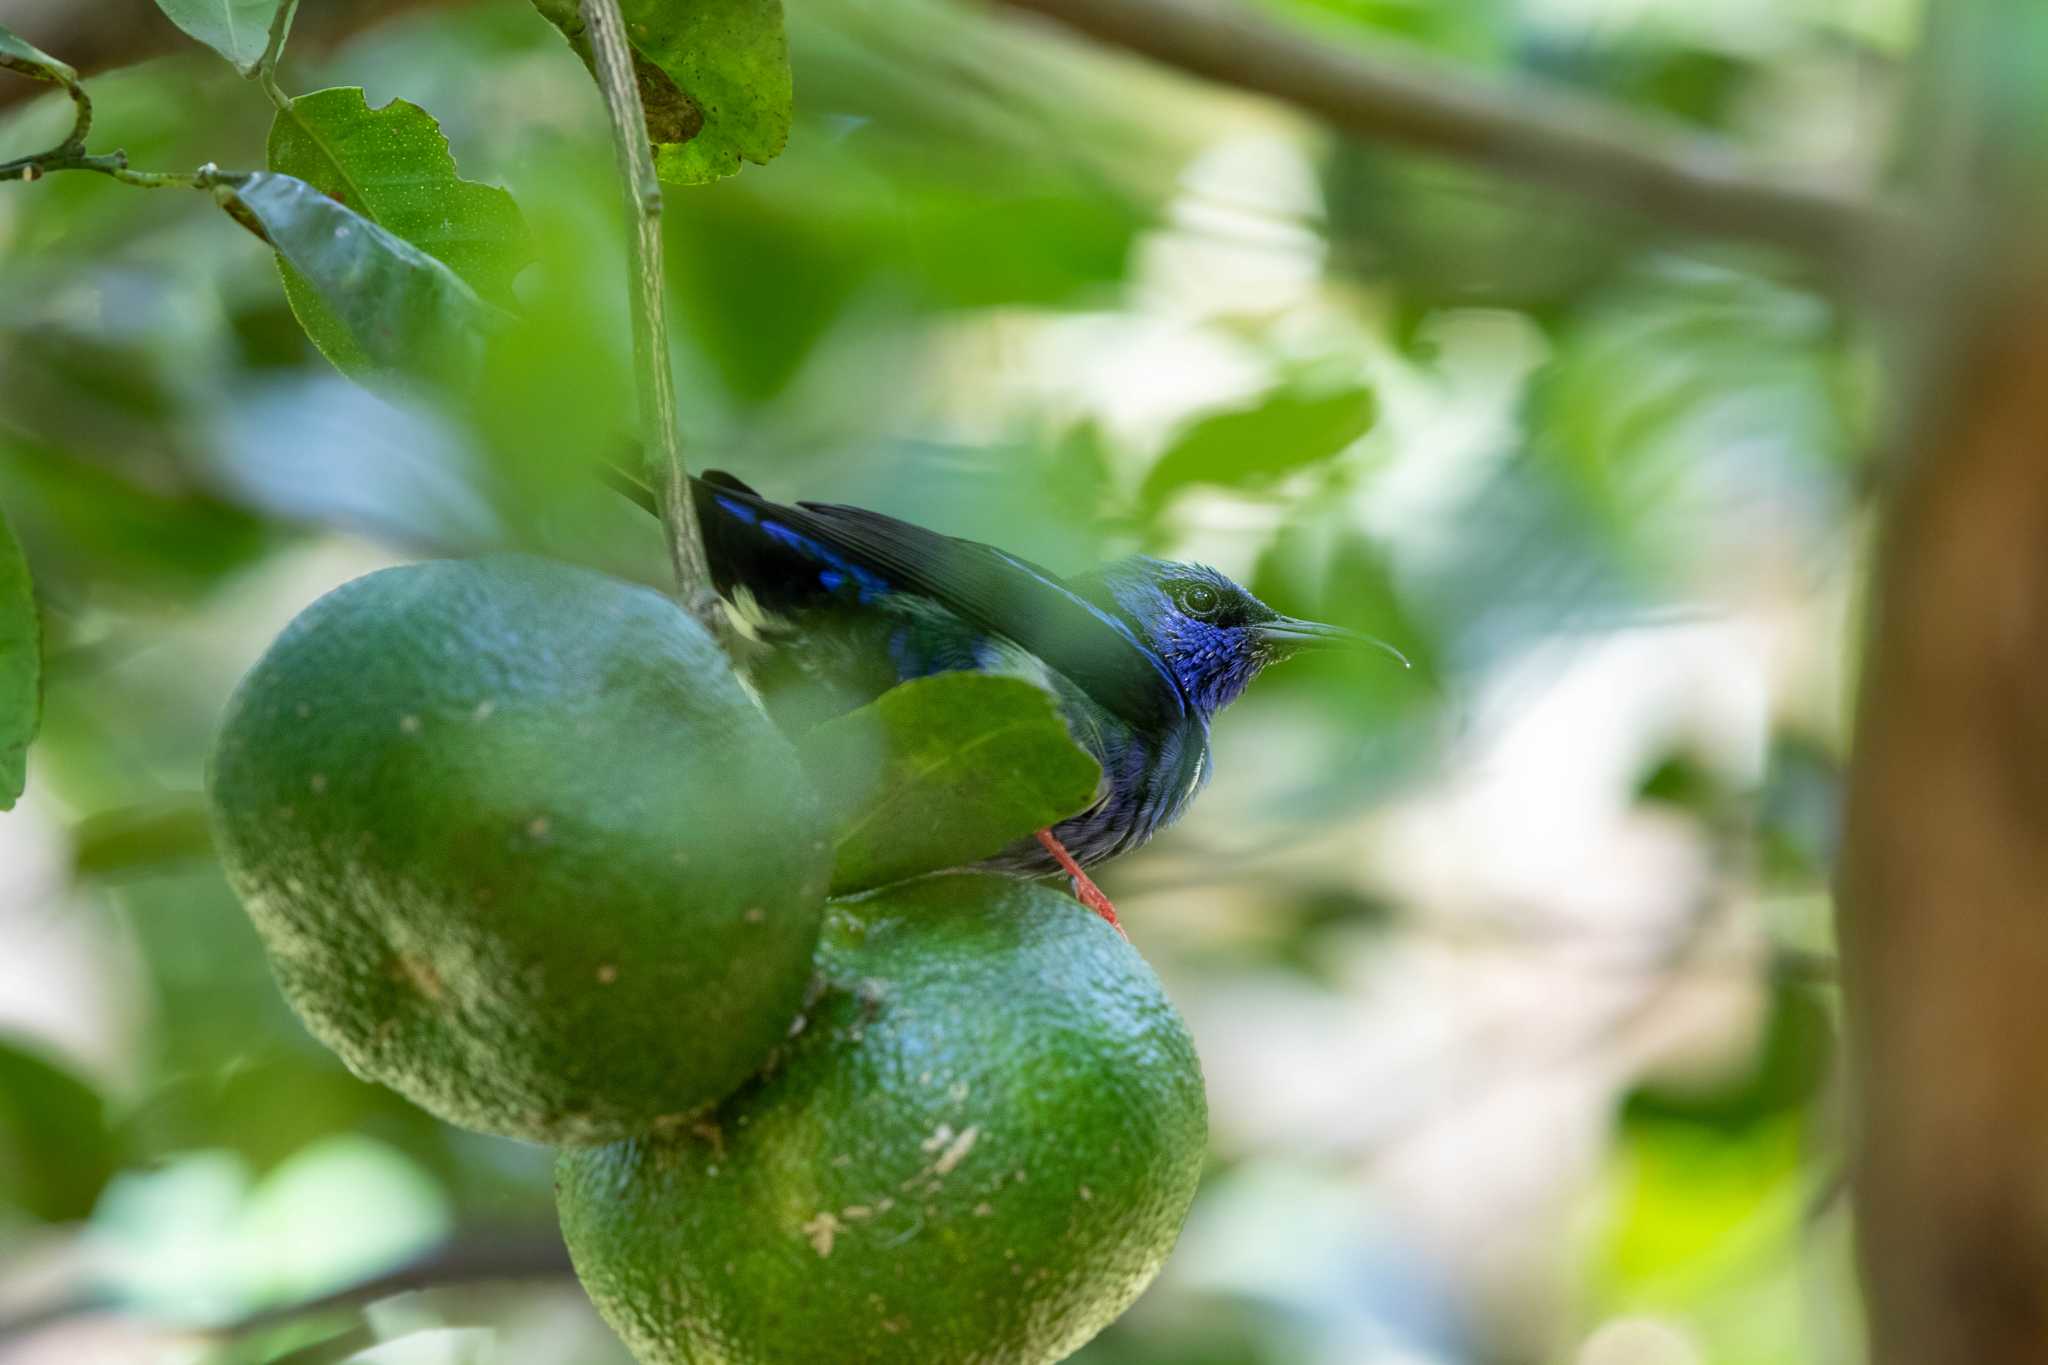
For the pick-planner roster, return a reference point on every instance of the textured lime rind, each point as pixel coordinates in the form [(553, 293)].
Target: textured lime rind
[(979, 1151), (521, 847)]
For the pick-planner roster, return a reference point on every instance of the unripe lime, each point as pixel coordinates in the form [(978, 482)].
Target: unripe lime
[(978, 1151), (521, 847)]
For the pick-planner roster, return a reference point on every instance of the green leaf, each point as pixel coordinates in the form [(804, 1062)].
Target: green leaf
[(56, 1153), (238, 30), (1250, 447), (96, 529), (729, 59), (31, 61), (714, 75), (942, 772), (392, 167), (1687, 784), (21, 668), (392, 307)]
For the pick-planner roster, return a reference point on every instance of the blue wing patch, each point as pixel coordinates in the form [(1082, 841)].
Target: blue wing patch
[(839, 572)]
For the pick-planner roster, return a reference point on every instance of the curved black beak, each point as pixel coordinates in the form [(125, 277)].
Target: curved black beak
[(1287, 635)]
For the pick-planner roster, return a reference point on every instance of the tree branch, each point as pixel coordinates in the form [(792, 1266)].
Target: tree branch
[(1525, 130), (658, 421), (1943, 901), (114, 164)]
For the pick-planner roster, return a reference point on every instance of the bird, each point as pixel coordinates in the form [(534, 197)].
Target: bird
[(1140, 654)]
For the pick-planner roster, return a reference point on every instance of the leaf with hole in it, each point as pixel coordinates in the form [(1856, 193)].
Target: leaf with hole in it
[(21, 668), (392, 166), (396, 308), (19, 55), (1253, 446), (238, 30), (713, 75), (942, 772)]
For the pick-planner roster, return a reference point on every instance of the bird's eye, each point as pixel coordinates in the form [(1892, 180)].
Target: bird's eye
[(1199, 599)]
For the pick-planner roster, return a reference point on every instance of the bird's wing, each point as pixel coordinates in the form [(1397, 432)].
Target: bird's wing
[(786, 555)]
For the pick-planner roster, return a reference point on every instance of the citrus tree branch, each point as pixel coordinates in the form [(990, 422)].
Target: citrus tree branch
[(81, 122), (658, 420), (71, 155), (1530, 131), (114, 164), (265, 74)]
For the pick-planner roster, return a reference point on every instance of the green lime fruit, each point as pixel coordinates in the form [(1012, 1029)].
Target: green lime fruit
[(521, 847), (978, 1151)]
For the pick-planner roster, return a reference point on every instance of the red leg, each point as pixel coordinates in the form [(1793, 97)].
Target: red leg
[(1088, 892)]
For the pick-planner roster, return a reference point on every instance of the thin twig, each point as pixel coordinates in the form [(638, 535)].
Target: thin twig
[(615, 76), (71, 155), (265, 74), (1526, 130), (73, 145), (112, 164), (81, 123)]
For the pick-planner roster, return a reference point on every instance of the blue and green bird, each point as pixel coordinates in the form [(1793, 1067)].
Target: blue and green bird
[(1140, 653)]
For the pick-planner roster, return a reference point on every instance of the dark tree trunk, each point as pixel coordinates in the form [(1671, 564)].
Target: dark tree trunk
[(1944, 886)]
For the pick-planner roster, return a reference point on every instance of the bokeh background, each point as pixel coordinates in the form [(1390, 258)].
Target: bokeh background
[(1512, 975)]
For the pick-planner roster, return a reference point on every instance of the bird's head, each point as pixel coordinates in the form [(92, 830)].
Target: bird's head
[(1213, 634)]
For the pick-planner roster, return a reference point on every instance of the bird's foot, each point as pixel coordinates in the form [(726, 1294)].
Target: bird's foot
[(1085, 890)]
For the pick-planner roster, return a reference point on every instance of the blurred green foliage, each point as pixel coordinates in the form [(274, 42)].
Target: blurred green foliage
[(992, 285), (21, 676), (56, 1153)]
